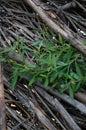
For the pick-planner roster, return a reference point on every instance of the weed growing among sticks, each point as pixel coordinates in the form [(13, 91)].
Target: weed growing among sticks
[(50, 64)]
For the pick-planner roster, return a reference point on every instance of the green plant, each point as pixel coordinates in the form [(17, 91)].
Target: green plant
[(61, 64), (51, 64)]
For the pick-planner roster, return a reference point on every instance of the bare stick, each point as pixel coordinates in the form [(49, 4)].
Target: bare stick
[(81, 96), (2, 103), (36, 108), (57, 105), (80, 106)]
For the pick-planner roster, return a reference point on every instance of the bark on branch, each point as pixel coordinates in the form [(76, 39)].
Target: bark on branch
[(2, 104)]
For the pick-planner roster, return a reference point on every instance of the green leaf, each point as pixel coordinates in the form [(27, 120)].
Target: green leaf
[(31, 66), (78, 71), (40, 42), (36, 43), (5, 50), (2, 59), (62, 73), (54, 60), (78, 86), (62, 88), (68, 56), (73, 75), (60, 39), (62, 64), (15, 44), (53, 76), (21, 40), (59, 53), (32, 80), (71, 92), (14, 78), (46, 82), (18, 43)]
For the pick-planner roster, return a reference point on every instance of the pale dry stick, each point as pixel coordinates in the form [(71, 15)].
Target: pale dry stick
[(50, 111), (68, 5), (80, 5), (2, 42), (42, 117), (80, 106), (81, 97), (30, 104), (2, 103), (57, 105), (3, 35)]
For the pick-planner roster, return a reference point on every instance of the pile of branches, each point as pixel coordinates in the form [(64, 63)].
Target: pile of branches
[(38, 107)]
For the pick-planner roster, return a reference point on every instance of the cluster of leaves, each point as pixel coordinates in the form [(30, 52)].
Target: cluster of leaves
[(54, 65), (60, 64)]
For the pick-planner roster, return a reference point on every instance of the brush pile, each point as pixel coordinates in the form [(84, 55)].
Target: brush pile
[(24, 23)]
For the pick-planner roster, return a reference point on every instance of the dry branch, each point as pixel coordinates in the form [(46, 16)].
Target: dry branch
[(16, 21), (50, 111), (81, 96), (2, 103), (58, 26), (78, 105), (35, 108), (42, 117), (57, 105)]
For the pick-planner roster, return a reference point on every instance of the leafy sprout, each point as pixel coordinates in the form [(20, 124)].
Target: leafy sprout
[(52, 64)]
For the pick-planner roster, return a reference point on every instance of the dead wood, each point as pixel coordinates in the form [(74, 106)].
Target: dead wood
[(22, 107), (33, 107), (56, 104), (42, 117), (36, 109), (59, 27), (2, 103), (50, 111), (81, 96), (73, 102)]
